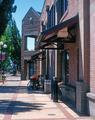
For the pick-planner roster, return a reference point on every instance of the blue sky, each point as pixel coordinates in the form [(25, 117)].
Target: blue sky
[(22, 7)]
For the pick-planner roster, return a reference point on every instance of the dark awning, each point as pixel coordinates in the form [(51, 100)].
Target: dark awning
[(56, 28), (36, 54), (50, 36)]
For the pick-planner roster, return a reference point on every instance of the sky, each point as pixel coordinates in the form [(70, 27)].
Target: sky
[(22, 8)]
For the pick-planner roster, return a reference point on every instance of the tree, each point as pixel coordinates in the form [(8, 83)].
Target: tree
[(16, 42), (6, 9), (12, 38)]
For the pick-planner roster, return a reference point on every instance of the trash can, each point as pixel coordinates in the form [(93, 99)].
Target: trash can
[(55, 90)]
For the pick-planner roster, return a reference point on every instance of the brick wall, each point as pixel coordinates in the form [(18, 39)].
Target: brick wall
[(84, 59), (92, 46), (72, 48), (84, 39)]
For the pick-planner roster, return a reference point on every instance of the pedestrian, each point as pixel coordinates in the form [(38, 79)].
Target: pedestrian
[(3, 76)]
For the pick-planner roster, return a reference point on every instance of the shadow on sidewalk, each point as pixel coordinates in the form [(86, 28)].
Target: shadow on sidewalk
[(13, 89), (18, 89), (18, 106)]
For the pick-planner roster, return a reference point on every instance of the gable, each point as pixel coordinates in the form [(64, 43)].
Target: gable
[(31, 15), (31, 23)]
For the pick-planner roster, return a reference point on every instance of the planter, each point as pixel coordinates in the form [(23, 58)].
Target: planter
[(47, 86)]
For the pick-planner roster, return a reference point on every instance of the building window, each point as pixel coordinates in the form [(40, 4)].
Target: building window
[(51, 17), (65, 67), (61, 8)]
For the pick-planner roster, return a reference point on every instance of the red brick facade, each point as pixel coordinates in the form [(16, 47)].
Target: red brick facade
[(79, 52), (71, 61), (91, 94)]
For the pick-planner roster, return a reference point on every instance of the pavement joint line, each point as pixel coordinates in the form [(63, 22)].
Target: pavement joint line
[(9, 112), (45, 119)]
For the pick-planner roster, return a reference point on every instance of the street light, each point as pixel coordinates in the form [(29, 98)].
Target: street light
[(2, 46)]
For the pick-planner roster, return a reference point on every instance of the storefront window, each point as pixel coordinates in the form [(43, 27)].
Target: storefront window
[(65, 67)]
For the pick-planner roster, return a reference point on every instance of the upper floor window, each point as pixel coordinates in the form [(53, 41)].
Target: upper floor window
[(51, 17), (61, 8)]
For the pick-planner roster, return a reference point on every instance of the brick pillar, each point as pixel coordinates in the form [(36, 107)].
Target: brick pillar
[(57, 64), (23, 77), (91, 94), (82, 86), (47, 81)]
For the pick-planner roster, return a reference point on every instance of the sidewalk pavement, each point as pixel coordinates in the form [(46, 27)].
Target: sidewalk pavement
[(17, 103)]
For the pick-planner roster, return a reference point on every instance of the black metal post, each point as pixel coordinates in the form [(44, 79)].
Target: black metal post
[(55, 90), (52, 88)]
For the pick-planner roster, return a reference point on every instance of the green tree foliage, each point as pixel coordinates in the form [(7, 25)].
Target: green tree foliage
[(16, 43), (6, 9), (12, 38)]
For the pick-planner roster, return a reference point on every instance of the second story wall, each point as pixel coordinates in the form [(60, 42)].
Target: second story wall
[(56, 11), (43, 18)]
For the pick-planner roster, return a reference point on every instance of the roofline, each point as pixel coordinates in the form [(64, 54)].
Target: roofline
[(43, 6), (31, 8)]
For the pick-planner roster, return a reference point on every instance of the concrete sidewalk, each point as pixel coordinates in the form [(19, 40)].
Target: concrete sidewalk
[(18, 103)]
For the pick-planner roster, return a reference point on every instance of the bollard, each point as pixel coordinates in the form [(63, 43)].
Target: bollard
[(55, 89), (52, 91)]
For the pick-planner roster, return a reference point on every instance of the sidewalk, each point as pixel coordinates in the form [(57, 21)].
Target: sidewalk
[(17, 103)]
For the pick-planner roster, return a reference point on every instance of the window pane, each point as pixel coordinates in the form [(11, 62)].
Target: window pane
[(30, 43), (65, 4)]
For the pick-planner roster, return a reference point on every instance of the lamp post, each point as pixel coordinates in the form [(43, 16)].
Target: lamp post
[(2, 46)]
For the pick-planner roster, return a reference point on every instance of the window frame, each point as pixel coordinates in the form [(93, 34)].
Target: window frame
[(61, 6)]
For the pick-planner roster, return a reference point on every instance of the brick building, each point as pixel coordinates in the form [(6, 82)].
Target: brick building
[(67, 40), (30, 28), (91, 94)]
